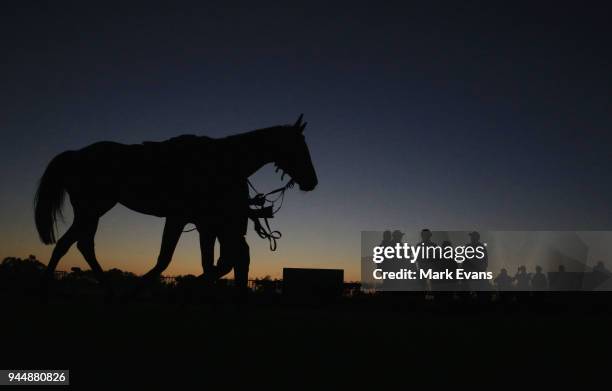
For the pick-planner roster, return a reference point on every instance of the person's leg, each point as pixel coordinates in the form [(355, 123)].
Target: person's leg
[(241, 269), (235, 254), (207, 248), (228, 254)]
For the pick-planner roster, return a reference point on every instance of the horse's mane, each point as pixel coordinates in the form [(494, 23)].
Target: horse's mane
[(182, 139), (261, 131), (274, 131), (192, 139), (185, 137)]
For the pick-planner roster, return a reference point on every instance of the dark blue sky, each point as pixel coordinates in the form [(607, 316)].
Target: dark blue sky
[(444, 115)]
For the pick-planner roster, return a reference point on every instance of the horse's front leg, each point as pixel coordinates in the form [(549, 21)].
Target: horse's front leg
[(207, 248), (172, 232)]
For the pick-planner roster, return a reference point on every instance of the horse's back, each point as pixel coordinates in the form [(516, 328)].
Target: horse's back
[(147, 160), (177, 176)]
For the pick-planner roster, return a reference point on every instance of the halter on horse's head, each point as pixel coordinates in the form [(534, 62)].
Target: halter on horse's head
[(294, 157)]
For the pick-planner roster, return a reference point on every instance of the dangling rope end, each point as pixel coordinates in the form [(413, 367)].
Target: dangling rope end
[(259, 200)]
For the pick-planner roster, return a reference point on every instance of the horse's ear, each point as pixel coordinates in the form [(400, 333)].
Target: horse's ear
[(298, 123)]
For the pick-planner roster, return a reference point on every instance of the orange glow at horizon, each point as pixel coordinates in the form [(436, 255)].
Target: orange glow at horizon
[(131, 241)]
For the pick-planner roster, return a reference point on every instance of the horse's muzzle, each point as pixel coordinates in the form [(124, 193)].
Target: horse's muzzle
[(308, 186)]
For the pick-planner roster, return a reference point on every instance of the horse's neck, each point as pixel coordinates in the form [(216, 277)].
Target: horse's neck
[(253, 150)]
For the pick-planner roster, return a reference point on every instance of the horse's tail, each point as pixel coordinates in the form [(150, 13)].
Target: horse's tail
[(50, 198)]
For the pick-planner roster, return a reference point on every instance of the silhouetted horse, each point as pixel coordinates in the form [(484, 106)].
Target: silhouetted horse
[(187, 179)]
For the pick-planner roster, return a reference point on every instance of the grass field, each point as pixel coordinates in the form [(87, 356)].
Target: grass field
[(165, 343)]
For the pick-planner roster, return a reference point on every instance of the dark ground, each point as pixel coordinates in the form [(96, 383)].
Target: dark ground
[(561, 338)]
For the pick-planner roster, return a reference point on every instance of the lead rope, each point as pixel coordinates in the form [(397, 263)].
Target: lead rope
[(263, 230)]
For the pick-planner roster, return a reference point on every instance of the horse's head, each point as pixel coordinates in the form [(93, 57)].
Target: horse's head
[(293, 156)]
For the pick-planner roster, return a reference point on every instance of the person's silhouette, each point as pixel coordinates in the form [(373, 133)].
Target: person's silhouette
[(397, 236), (600, 267), (427, 260), (210, 232), (387, 239), (442, 265), (522, 279), (387, 264), (560, 280), (539, 281), (426, 236), (476, 265), (395, 264), (503, 281)]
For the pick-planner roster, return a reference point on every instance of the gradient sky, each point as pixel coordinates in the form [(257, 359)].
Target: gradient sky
[(445, 115)]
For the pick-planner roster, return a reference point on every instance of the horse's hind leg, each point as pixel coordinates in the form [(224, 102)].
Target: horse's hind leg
[(86, 246), (61, 248)]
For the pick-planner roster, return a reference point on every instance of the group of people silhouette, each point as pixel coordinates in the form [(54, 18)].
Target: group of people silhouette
[(538, 281), (391, 238), (522, 280)]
